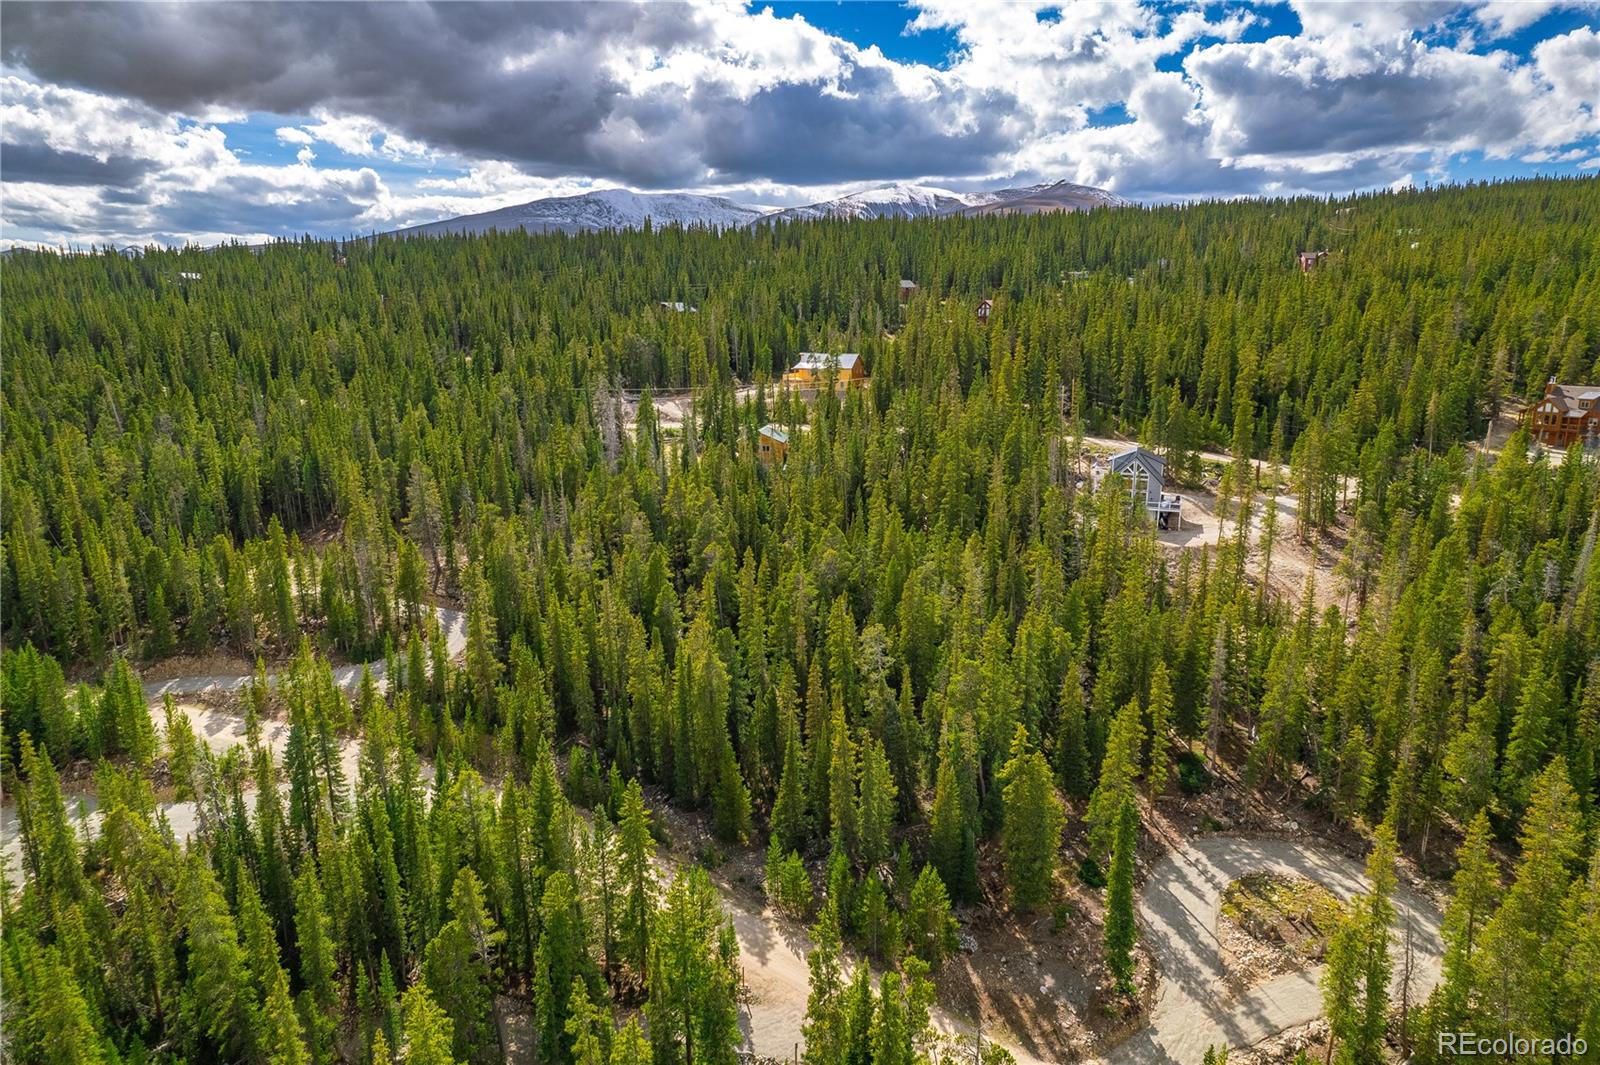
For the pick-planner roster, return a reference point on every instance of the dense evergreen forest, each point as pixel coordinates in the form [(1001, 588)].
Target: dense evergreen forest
[(921, 641)]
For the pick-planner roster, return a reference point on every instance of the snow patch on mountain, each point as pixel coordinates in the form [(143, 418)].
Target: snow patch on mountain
[(888, 201), (622, 209), (602, 209)]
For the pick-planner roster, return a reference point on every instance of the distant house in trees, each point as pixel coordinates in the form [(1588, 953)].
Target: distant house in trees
[(1145, 474), (907, 289), (772, 445), (985, 308), (676, 306), (1310, 259), (812, 368), (1566, 414)]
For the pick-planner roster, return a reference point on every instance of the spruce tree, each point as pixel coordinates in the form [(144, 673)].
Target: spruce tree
[(562, 957), (314, 946), (791, 822), (694, 977), (1034, 818), (1118, 771), (1121, 931), (955, 816), (636, 850), (1160, 724), (930, 929), (428, 1031), (875, 818)]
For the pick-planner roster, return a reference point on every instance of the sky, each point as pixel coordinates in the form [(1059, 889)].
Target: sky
[(200, 122)]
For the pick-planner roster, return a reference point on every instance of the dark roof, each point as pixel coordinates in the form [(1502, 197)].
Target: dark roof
[(1152, 462)]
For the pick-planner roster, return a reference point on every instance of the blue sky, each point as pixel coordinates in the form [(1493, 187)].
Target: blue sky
[(205, 122)]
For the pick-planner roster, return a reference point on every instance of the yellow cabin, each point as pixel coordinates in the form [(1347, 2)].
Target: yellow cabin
[(813, 367), (772, 445)]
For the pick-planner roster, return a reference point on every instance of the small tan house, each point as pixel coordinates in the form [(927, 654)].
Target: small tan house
[(772, 445)]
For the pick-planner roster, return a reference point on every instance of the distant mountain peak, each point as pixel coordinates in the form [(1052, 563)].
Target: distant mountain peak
[(600, 209), (625, 209)]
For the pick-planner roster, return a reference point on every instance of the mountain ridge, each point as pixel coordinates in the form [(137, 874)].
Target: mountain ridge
[(607, 209)]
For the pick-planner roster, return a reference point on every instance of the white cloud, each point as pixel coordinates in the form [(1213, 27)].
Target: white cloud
[(437, 110)]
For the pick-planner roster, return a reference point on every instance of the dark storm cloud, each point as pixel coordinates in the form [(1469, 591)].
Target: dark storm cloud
[(38, 162), (1289, 96), (514, 82), (812, 138), (244, 205)]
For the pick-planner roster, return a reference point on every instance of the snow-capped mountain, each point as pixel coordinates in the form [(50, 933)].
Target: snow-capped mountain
[(603, 209), (887, 201), (621, 209), (1042, 199)]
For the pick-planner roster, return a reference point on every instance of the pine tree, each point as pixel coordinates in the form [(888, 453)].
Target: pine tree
[(636, 850), (214, 1007), (630, 1047), (1341, 983), (1476, 890), (314, 946), (694, 977), (278, 1032), (930, 930), (1160, 724), (875, 818), (587, 1027), (1524, 937), (456, 966), (428, 1032), (47, 1017), (842, 808), (955, 816), (1377, 908), (730, 800), (1120, 929), (791, 823), (1034, 818), (824, 1031), (1118, 772), (562, 957)]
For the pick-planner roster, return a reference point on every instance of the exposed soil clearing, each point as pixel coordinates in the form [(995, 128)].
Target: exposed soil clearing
[(1273, 925), (1179, 910)]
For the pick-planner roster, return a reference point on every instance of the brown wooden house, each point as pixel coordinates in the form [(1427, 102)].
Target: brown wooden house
[(1566, 415), (1309, 260)]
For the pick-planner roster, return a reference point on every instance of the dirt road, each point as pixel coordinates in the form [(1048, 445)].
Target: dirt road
[(1178, 919), (453, 622)]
